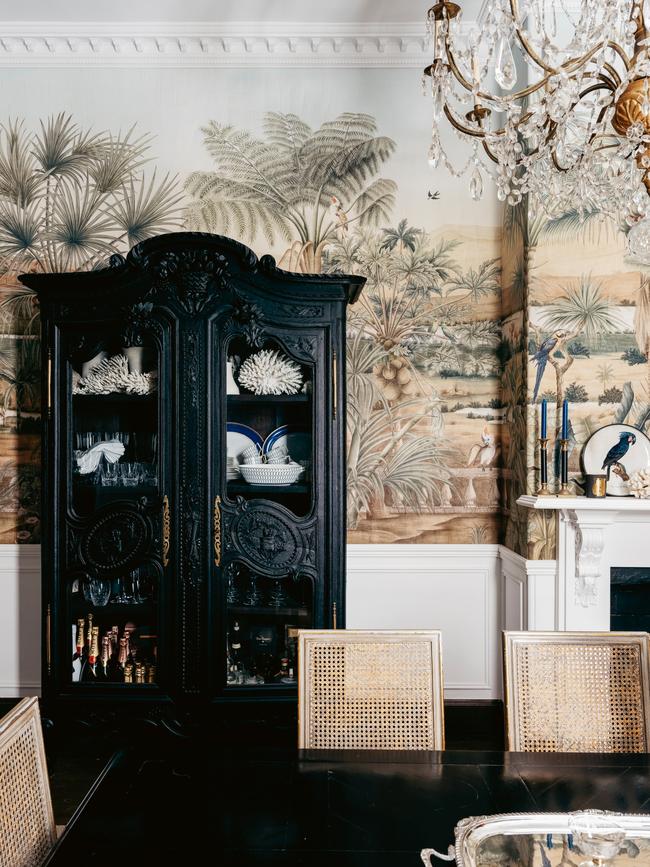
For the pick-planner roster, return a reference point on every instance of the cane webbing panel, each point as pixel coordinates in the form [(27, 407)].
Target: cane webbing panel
[(569, 695), (27, 829), (366, 691)]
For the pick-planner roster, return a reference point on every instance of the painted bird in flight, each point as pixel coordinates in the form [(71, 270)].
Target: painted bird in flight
[(541, 357), (435, 195), (614, 455)]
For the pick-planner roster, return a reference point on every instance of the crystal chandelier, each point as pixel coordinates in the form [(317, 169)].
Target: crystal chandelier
[(553, 97)]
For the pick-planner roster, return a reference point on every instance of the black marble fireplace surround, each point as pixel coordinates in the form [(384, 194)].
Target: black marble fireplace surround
[(630, 599)]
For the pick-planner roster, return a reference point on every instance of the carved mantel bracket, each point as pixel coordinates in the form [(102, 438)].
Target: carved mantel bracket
[(590, 529)]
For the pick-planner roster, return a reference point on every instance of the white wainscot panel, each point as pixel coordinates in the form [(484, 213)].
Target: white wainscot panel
[(20, 620), (454, 588)]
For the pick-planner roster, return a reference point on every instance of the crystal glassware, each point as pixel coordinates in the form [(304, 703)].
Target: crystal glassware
[(97, 591), (110, 473), (130, 474)]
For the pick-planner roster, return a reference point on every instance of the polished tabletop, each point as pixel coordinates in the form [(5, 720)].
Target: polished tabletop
[(348, 808)]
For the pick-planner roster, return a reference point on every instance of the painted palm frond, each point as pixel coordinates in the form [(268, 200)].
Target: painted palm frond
[(289, 133), (21, 372), (145, 209), (375, 203), (61, 148), (118, 159), (587, 225), (18, 310), (476, 283), (81, 228), (19, 177), (583, 309), (20, 235)]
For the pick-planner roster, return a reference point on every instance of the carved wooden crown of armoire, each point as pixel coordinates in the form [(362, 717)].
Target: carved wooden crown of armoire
[(168, 577)]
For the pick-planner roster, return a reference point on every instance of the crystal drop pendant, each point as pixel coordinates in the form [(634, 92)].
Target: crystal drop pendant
[(504, 71), (434, 154), (476, 185), (438, 100)]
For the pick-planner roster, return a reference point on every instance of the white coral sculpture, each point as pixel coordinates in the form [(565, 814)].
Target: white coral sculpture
[(112, 375), (270, 372), (639, 484)]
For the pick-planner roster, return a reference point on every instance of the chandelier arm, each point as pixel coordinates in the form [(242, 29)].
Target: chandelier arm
[(614, 77), (486, 148), (475, 133), (621, 53)]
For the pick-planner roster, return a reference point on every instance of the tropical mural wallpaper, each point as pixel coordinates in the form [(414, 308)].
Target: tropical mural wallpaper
[(444, 347)]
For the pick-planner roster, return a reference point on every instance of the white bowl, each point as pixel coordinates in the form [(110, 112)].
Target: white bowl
[(271, 474)]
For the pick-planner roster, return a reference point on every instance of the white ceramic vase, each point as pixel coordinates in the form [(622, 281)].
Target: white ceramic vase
[(134, 355), (88, 366), (231, 385)]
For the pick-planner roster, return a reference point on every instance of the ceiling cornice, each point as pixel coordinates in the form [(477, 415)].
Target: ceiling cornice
[(196, 44)]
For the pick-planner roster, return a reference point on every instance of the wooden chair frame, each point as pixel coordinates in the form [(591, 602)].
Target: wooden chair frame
[(515, 642), (27, 828), (321, 705)]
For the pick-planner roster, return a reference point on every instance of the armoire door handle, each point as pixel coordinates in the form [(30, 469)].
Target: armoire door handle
[(217, 530), (166, 531)]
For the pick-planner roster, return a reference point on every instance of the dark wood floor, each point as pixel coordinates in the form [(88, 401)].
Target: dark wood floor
[(77, 753)]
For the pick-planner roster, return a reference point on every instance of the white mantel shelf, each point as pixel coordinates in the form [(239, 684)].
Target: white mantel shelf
[(594, 534), (595, 504)]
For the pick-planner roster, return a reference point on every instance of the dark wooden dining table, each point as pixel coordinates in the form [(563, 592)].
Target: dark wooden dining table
[(207, 804)]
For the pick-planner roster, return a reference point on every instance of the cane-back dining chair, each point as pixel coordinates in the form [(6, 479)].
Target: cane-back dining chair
[(27, 829), (375, 690), (582, 692)]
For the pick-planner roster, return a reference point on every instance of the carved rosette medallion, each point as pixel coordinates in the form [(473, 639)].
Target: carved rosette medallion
[(268, 540), (115, 541)]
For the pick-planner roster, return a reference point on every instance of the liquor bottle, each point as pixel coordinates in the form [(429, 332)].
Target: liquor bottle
[(89, 631), (123, 656), (76, 661), (235, 646), (106, 654), (151, 674), (80, 636), (139, 672), (128, 671), (115, 640), (89, 666)]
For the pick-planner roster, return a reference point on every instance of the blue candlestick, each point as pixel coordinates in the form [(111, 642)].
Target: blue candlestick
[(565, 419), (544, 419)]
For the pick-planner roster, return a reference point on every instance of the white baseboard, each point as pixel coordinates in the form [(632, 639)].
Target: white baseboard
[(469, 592)]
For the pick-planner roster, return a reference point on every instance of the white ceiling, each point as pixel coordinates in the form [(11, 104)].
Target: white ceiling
[(355, 11)]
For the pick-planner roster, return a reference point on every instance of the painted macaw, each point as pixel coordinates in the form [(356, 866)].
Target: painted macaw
[(614, 455), (541, 357)]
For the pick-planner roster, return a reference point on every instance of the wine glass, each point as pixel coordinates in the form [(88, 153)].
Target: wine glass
[(597, 836), (97, 591)]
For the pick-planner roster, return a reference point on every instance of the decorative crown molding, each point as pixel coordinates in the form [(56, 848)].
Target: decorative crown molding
[(197, 44)]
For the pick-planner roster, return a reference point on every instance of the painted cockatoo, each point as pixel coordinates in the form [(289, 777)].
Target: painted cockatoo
[(484, 454), (338, 214)]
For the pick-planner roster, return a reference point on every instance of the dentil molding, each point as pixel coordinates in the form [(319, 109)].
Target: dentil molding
[(197, 44)]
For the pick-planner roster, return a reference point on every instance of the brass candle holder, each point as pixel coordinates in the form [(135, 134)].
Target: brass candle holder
[(564, 469), (543, 468)]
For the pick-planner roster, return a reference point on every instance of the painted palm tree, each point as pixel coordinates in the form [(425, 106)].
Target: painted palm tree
[(70, 198), (583, 310), (18, 310), (306, 187), (476, 283), (404, 237), (20, 370), (604, 374)]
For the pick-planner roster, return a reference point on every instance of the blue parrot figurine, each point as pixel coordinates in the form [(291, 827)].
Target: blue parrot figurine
[(541, 357), (614, 455)]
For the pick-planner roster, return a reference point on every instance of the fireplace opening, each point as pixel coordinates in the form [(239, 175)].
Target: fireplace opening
[(630, 599)]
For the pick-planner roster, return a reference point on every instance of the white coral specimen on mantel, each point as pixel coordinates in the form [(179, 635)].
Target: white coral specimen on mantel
[(270, 372), (112, 375), (639, 484)]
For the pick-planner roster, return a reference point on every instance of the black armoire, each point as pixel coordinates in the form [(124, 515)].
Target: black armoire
[(192, 524)]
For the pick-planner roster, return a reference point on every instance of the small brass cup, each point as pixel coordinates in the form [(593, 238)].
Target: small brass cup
[(595, 485)]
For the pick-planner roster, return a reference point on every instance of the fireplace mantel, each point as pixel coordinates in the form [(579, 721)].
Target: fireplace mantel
[(593, 535)]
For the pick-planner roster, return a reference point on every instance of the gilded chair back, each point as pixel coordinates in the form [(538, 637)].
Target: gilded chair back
[(27, 829), (370, 690), (582, 692)]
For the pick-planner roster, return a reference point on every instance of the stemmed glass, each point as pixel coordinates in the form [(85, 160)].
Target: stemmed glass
[(595, 835)]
